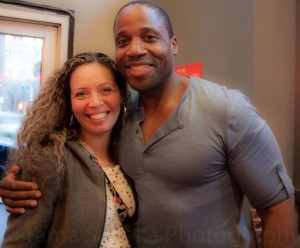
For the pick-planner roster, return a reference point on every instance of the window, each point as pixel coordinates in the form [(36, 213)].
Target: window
[(34, 41)]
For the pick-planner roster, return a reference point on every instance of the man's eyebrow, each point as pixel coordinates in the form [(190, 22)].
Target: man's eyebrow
[(142, 31), (148, 30), (120, 33)]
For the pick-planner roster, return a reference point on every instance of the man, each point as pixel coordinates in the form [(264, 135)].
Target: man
[(192, 148)]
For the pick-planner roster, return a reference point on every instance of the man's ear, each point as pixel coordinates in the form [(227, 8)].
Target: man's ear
[(174, 45)]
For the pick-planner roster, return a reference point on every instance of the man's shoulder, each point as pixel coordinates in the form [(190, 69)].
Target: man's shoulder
[(208, 91), (215, 91), (209, 86)]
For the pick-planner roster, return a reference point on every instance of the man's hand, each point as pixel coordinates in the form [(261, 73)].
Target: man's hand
[(18, 195)]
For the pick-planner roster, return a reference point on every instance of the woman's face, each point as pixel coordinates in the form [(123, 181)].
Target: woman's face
[(95, 99)]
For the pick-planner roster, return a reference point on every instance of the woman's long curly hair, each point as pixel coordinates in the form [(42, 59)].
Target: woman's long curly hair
[(48, 122)]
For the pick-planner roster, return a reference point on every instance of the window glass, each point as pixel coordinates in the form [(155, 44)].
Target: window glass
[(20, 77)]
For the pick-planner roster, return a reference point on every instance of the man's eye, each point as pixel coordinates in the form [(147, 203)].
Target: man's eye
[(150, 38), (122, 42)]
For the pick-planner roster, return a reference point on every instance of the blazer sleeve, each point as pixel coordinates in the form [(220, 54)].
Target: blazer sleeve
[(30, 229)]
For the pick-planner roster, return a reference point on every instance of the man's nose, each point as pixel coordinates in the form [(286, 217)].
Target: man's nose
[(136, 48)]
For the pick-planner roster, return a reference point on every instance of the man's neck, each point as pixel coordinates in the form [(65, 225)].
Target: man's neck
[(159, 103)]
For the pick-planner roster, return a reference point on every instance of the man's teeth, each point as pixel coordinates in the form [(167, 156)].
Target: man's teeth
[(98, 116), (139, 67)]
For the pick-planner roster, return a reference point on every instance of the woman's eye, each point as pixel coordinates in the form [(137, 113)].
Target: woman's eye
[(106, 90), (80, 94)]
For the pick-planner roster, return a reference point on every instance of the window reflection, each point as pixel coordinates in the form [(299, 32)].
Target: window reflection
[(20, 77)]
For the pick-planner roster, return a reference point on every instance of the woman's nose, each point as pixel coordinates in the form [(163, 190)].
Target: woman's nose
[(96, 100)]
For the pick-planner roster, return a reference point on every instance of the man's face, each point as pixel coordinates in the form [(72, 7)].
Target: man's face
[(144, 51)]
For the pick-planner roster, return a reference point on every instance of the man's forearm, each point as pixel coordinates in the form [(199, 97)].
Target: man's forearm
[(279, 225)]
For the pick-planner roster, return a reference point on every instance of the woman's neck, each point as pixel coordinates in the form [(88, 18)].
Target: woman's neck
[(98, 147)]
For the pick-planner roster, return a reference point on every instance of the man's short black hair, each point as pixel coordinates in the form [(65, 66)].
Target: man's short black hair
[(159, 10)]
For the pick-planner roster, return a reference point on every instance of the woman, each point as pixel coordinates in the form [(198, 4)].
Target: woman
[(68, 144)]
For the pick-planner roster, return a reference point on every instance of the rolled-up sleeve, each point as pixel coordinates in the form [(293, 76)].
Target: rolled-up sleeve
[(255, 158)]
